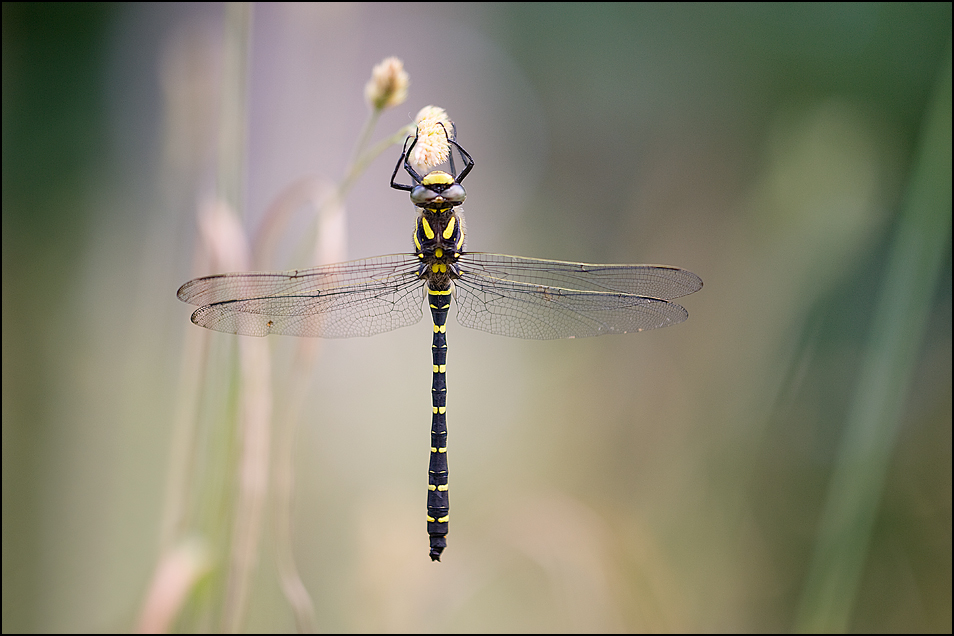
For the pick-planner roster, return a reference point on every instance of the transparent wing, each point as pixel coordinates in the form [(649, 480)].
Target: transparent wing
[(538, 302), (357, 298), (655, 281)]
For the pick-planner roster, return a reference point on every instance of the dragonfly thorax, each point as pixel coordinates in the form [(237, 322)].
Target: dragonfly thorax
[(439, 235)]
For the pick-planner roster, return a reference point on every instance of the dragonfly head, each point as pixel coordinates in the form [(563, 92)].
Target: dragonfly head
[(438, 190)]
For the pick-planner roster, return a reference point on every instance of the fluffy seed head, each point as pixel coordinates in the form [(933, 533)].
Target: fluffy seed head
[(433, 129), (388, 84)]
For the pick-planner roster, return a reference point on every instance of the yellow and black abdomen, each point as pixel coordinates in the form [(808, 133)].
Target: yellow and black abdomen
[(438, 504), (438, 240)]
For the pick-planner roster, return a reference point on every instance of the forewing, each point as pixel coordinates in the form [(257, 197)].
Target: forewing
[(358, 298), (654, 281)]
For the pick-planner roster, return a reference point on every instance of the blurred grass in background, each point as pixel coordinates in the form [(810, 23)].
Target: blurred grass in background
[(680, 480)]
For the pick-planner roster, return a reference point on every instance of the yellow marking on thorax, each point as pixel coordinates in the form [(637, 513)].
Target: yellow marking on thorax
[(439, 253), (449, 230), (428, 232)]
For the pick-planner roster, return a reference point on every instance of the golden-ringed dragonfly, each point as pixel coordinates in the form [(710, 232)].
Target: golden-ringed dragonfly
[(504, 295)]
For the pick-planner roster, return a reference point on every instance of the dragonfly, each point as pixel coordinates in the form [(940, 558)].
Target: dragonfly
[(505, 295)]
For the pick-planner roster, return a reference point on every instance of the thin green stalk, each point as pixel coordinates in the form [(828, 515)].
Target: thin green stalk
[(363, 160), (254, 420), (915, 263)]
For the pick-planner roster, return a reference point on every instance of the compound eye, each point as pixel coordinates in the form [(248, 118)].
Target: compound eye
[(455, 194), (422, 195)]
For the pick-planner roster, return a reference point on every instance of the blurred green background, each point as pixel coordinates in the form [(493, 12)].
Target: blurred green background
[(781, 461)]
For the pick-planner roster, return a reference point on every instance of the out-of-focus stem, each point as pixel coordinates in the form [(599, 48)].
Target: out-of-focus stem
[(364, 159), (255, 404), (915, 264)]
